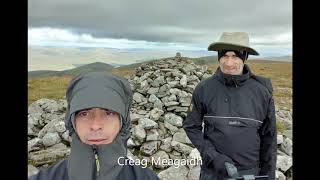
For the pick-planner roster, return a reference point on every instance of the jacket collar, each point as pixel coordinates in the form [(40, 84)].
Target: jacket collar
[(85, 163), (233, 80)]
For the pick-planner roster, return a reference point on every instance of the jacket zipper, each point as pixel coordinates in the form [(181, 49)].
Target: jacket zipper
[(97, 160)]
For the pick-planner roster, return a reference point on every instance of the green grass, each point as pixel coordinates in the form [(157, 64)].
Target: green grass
[(47, 87), (280, 127)]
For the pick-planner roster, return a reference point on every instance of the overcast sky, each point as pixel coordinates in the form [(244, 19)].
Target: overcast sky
[(166, 24)]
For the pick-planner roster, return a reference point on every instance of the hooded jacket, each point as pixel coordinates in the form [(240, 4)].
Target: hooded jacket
[(97, 162), (239, 124)]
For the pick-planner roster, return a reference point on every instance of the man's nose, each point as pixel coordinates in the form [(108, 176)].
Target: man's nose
[(229, 61), (96, 123)]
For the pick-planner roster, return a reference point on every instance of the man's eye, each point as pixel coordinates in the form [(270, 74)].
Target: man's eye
[(84, 113), (110, 113)]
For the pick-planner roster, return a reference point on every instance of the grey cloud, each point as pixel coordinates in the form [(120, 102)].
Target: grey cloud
[(163, 21)]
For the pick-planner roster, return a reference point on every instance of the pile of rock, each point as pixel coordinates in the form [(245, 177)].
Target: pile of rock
[(162, 94)]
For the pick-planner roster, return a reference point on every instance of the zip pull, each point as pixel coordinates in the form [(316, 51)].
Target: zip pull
[(97, 159), (234, 82)]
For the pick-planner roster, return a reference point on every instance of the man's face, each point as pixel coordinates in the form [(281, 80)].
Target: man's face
[(230, 63), (97, 126)]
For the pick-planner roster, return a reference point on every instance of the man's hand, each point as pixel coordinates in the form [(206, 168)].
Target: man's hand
[(231, 170)]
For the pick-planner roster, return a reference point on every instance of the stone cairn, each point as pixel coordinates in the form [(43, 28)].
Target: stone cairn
[(162, 92)]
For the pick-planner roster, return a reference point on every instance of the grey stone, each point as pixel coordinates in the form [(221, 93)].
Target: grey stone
[(182, 137), (139, 132), (165, 99), (172, 97), (153, 98), (286, 146), (284, 163), (166, 144), (158, 81), (182, 114), (144, 86), (193, 78), (145, 76), (149, 148), (142, 112), (194, 173), (57, 146), (49, 105), (173, 83), (147, 123), (286, 122), (182, 94), (65, 136), (48, 128), (190, 88), (60, 127), (50, 139), (130, 143), (164, 90), (33, 143), (181, 109), (195, 157), (171, 103), (171, 108), (180, 147), (173, 119), (155, 114), (185, 101), (32, 170), (175, 91), (131, 156), (175, 157), (152, 135), (47, 156), (162, 129), (62, 104), (279, 139), (183, 81), (158, 104), (48, 117), (280, 175), (174, 173), (34, 122), (148, 106), (205, 76), (153, 90), (281, 153), (288, 133), (173, 129), (135, 117), (137, 97), (34, 108), (160, 159)]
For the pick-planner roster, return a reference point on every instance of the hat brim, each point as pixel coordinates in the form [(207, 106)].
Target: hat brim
[(225, 46)]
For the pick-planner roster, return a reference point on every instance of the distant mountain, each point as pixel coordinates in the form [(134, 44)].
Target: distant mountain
[(96, 66), (280, 58)]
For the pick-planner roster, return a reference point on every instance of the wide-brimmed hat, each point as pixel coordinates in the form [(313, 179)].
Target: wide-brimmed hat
[(233, 41)]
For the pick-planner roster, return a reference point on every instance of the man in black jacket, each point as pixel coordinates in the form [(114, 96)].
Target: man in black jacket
[(237, 111), (98, 120)]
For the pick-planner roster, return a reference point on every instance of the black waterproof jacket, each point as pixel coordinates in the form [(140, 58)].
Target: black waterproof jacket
[(239, 121)]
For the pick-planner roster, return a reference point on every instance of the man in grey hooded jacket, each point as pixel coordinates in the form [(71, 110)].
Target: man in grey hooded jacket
[(98, 120)]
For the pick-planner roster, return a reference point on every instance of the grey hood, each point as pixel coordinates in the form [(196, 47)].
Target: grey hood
[(102, 91)]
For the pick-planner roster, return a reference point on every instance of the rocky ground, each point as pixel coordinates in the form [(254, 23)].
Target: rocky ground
[(162, 94)]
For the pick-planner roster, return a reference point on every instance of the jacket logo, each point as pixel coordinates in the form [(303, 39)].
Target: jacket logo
[(234, 122)]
